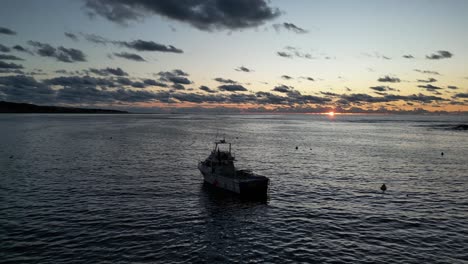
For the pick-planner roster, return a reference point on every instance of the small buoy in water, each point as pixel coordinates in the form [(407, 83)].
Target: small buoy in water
[(441, 153), (11, 156), (110, 137), (297, 147), (383, 187)]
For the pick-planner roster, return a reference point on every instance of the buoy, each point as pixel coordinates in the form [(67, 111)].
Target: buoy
[(297, 147), (441, 153), (383, 187), (11, 156)]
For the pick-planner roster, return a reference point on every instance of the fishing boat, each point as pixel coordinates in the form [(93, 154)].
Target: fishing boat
[(219, 171)]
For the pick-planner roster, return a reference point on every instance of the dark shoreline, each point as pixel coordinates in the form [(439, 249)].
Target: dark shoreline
[(23, 108)]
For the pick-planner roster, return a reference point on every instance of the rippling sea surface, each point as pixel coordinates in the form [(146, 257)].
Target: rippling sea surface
[(125, 188)]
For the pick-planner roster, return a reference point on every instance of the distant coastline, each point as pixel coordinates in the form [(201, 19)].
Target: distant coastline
[(23, 108)]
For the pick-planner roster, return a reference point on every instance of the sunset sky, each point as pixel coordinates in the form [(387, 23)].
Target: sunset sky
[(286, 56)]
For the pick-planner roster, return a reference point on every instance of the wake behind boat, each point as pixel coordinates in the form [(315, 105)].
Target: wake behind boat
[(219, 170)]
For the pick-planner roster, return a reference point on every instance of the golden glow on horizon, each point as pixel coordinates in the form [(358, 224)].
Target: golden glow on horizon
[(331, 113)]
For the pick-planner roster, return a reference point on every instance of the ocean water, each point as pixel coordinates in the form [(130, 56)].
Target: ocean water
[(126, 189)]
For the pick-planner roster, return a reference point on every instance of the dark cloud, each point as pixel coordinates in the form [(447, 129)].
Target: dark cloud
[(129, 56), (427, 72), (329, 94), (5, 65), (20, 88), (389, 79), (451, 87), (308, 78), (441, 54), (4, 48), (178, 86), (139, 45), (206, 89), (283, 89), (232, 88), (382, 88), (290, 27), (79, 81), (430, 87), (109, 71), (286, 77), (222, 80), (365, 98), (408, 56), (284, 54), (143, 45), (202, 14), (62, 54), (21, 49), (294, 52), (176, 76), (7, 31), (154, 83), (430, 80), (71, 36), (461, 95), (9, 57), (243, 69), (138, 85)]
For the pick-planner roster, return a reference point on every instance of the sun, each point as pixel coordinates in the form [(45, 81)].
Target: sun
[(331, 113)]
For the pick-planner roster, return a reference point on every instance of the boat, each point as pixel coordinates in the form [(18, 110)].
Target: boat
[(218, 170)]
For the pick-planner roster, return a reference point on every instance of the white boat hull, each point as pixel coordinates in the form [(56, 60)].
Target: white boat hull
[(247, 186)]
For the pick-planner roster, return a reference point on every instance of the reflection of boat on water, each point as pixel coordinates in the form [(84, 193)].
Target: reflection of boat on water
[(219, 171)]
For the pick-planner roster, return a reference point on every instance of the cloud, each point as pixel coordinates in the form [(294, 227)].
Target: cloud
[(329, 94), (389, 79), (7, 31), (286, 77), (232, 88), (21, 49), (61, 54), (178, 86), (154, 83), (461, 95), (202, 14), (175, 76), (139, 45), (294, 52), (4, 48), (382, 88), (206, 89), (9, 57), (283, 89), (20, 88), (441, 54), (451, 87), (80, 81), (427, 72), (129, 56), (430, 87), (290, 27), (109, 71), (243, 69), (143, 45), (308, 78), (284, 54), (365, 98), (222, 80), (5, 65), (376, 55), (408, 56), (71, 36), (430, 80)]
